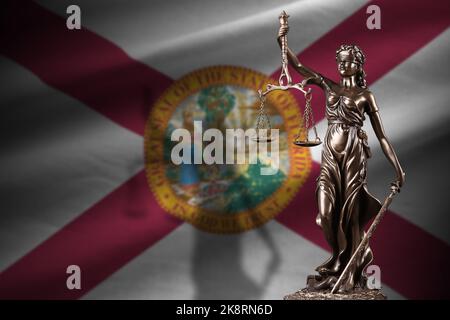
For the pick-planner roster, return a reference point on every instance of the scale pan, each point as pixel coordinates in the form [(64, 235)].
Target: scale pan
[(302, 143)]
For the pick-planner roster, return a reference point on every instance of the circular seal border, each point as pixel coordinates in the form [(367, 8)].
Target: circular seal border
[(160, 115)]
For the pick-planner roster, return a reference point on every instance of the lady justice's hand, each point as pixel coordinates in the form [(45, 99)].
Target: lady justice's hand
[(283, 30), (394, 187)]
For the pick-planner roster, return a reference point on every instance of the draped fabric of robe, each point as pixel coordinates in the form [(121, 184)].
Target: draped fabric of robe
[(343, 180)]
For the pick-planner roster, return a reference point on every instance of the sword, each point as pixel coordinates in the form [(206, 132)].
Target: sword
[(394, 190)]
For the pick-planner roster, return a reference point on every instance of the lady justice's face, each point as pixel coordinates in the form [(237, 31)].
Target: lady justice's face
[(346, 65)]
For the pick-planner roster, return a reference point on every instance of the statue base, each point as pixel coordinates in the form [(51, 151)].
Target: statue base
[(310, 294)]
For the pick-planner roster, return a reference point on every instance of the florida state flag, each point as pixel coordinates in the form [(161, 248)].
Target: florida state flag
[(88, 186)]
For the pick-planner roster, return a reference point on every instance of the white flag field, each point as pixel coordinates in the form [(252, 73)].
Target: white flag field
[(74, 184)]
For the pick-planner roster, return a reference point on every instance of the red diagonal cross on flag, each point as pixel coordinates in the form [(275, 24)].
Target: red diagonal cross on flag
[(102, 76)]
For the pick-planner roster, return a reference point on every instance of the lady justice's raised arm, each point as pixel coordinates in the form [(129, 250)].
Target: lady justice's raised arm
[(311, 76)]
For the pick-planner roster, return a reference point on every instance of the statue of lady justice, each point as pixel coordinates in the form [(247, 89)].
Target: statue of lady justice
[(345, 205)]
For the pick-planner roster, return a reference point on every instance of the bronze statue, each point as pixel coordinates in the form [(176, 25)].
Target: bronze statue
[(345, 205)]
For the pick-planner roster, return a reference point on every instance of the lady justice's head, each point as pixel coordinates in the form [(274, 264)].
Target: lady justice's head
[(350, 60)]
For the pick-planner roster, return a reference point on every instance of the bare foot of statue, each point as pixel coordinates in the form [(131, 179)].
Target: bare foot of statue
[(329, 267)]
